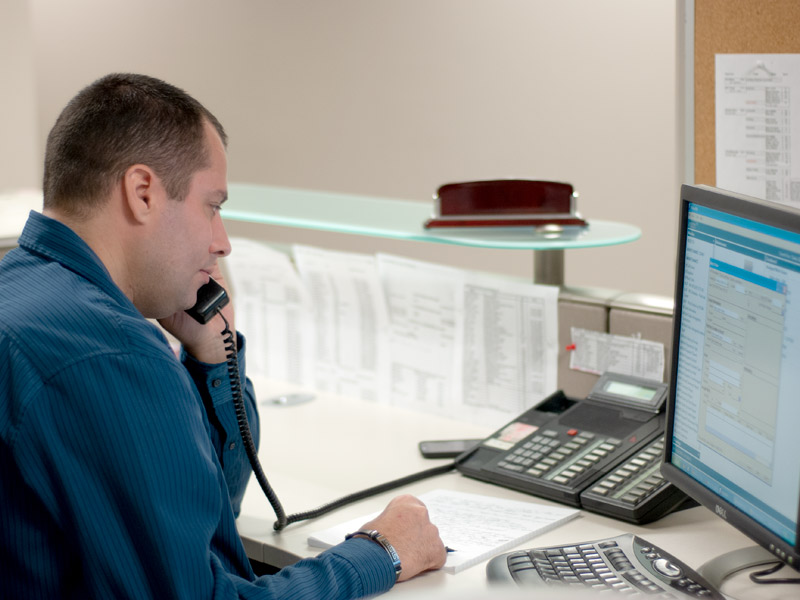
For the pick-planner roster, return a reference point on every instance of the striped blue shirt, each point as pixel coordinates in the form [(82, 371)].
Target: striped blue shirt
[(121, 466)]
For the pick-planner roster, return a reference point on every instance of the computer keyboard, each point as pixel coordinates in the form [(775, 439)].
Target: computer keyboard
[(625, 563)]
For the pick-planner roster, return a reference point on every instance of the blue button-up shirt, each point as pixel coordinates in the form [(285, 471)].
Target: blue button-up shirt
[(121, 466)]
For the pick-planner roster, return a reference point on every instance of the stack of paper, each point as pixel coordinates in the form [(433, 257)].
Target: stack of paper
[(391, 330), (476, 527)]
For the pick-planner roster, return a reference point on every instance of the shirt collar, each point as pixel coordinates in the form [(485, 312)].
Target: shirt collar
[(55, 241)]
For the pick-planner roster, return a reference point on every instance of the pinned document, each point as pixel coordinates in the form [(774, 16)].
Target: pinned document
[(757, 103), (596, 352)]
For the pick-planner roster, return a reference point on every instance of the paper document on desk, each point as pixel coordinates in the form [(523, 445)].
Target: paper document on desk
[(421, 301), (475, 347), (509, 347), (350, 321), (273, 308), (476, 527), (409, 333)]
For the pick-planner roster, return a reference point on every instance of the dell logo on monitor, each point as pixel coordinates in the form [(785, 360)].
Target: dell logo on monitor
[(721, 511)]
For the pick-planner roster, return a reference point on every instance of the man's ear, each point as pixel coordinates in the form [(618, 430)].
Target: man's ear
[(142, 191)]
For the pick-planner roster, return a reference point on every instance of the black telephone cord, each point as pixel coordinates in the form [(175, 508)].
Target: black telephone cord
[(252, 455), (244, 426), (378, 489)]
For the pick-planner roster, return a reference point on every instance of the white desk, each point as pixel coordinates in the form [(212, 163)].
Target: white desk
[(319, 451)]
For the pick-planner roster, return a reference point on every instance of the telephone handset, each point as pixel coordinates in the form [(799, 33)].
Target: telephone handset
[(210, 298)]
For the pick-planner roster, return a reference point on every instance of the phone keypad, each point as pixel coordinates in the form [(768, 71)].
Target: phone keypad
[(558, 457), (635, 479)]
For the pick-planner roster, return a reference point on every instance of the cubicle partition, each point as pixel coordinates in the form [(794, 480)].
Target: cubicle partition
[(642, 316)]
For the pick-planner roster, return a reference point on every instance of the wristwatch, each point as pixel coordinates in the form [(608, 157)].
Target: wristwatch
[(381, 539)]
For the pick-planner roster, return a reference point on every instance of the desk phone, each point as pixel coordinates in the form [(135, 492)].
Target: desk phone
[(626, 563), (601, 453)]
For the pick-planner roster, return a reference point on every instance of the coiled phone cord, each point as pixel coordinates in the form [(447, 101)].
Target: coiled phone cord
[(244, 426), (252, 455)]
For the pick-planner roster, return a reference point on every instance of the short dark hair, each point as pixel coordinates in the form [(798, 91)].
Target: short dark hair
[(118, 121)]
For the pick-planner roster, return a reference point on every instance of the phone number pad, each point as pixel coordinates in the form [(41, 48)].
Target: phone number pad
[(544, 455)]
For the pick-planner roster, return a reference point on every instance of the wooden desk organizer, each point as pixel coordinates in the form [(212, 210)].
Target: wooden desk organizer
[(505, 203)]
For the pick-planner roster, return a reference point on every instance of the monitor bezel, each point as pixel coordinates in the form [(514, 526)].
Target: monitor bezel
[(768, 213)]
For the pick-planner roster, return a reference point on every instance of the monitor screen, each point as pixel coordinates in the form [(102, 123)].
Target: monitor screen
[(733, 411)]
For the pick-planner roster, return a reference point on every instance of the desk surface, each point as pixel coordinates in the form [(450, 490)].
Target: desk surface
[(322, 450)]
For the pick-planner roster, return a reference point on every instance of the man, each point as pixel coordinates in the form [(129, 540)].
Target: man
[(121, 466)]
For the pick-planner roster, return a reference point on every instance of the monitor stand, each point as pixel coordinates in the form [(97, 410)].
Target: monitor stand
[(719, 568)]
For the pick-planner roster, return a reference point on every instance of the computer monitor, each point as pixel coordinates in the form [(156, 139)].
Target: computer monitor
[(733, 410)]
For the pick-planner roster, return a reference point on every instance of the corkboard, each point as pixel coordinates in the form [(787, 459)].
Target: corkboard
[(733, 27)]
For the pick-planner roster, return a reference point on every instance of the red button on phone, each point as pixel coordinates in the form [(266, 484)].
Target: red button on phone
[(572, 432)]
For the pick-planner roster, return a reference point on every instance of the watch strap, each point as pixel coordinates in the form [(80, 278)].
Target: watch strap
[(378, 537)]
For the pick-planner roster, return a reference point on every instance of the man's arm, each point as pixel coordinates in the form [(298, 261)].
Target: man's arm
[(134, 486), (214, 386)]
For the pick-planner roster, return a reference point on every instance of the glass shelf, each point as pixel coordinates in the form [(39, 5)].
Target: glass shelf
[(403, 219)]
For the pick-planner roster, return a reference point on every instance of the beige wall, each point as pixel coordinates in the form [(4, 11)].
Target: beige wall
[(394, 98), (19, 158)]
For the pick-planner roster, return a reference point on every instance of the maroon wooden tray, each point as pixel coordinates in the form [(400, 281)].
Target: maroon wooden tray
[(505, 203)]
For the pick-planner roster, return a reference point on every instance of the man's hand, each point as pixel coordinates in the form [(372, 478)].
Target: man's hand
[(203, 342), (405, 523)]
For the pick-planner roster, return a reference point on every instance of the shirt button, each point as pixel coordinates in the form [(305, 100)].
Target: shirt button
[(232, 446), (216, 383)]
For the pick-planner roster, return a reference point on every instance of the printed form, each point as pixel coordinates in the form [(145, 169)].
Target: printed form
[(349, 320), (757, 103), (477, 347), (388, 329), (509, 347), (477, 527), (421, 299), (274, 311), (597, 352)]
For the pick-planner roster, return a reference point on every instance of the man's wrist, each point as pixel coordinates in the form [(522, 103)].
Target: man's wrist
[(379, 538)]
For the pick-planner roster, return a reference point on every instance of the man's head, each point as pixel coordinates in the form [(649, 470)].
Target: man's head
[(118, 121), (138, 169)]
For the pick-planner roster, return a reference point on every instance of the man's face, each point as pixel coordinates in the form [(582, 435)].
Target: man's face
[(191, 236)]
